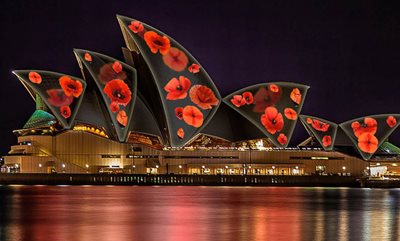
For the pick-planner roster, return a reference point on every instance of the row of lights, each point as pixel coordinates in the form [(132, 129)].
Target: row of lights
[(62, 165), (180, 166)]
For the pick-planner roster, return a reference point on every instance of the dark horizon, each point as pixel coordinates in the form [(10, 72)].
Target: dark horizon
[(348, 53)]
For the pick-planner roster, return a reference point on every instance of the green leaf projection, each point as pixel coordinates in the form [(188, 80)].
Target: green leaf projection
[(62, 93), (188, 95), (117, 84), (368, 133), (324, 131), (272, 107)]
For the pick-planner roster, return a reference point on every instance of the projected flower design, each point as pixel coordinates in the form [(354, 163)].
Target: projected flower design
[(111, 71), (175, 59), (282, 139), (188, 95), (65, 111), (272, 120), (271, 107), (71, 87), (326, 141), (58, 98), (157, 43), (368, 133), (194, 68), (290, 114), (370, 125), (192, 116), (34, 77), (391, 121), (61, 93), (177, 88), (136, 27), (324, 131), (118, 92), (203, 97), (179, 113), (320, 125), (265, 97)]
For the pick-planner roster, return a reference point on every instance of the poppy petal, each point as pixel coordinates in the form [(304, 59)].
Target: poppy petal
[(122, 118), (87, 57), (326, 141), (290, 114), (175, 59), (157, 42), (136, 27), (180, 133), (118, 91), (368, 143), (295, 96), (65, 111), (194, 68), (248, 97), (35, 77), (203, 97), (192, 116), (179, 113), (114, 107), (177, 89), (391, 121), (117, 67), (282, 139)]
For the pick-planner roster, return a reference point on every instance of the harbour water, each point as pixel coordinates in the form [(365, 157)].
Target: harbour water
[(177, 213)]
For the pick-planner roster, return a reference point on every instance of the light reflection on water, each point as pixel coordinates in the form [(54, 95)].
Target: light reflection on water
[(197, 213)]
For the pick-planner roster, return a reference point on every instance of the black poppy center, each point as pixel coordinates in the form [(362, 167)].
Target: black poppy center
[(158, 42), (179, 87), (118, 94), (71, 86)]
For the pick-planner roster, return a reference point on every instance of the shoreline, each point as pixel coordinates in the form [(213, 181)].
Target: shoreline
[(195, 180), (178, 180)]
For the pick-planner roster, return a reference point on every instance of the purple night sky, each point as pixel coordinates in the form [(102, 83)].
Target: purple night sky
[(348, 52)]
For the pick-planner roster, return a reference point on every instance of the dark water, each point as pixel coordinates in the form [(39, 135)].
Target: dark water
[(197, 213)]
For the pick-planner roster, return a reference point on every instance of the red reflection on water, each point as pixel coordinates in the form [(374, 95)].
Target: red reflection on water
[(197, 213)]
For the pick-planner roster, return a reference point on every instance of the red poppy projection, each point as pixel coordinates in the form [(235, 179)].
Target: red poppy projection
[(61, 93), (272, 107), (177, 88), (272, 120), (368, 133), (323, 131), (175, 59), (117, 83), (188, 95)]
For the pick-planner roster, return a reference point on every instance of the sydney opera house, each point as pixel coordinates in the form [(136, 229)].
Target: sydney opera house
[(158, 111)]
